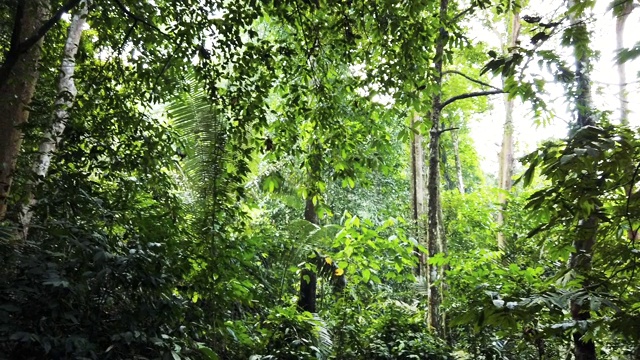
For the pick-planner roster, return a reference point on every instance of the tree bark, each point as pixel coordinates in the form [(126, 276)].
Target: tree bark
[(580, 261), (308, 278), (585, 236), (435, 244), (449, 183), (17, 89), (622, 11), (65, 98), (418, 193), (506, 152)]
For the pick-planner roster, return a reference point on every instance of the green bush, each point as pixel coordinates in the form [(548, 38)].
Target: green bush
[(392, 330)]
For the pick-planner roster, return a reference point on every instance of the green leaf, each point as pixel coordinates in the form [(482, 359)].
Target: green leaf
[(366, 274), (208, 353)]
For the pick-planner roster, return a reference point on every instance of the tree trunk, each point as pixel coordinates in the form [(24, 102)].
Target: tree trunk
[(587, 228), (66, 96), (449, 183), (456, 152), (445, 250), (580, 261), (418, 193), (506, 152), (308, 278), (622, 11), (435, 244), (17, 89)]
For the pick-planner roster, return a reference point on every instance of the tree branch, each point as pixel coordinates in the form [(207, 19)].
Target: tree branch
[(440, 132), (18, 48), (462, 13), (27, 44), (469, 78), (15, 36), (469, 95), (138, 18)]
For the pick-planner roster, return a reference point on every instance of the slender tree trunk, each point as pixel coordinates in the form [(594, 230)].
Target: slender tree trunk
[(66, 96), (433, 230), (506, 152), (17, 89), (581, 262), (587, 228), (622, 11), (308, 278), (449, 183), (445, 250), (456, 152), (435, 244), (418, 193)]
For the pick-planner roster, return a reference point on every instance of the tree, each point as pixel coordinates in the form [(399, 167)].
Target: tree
[(418, 194), (587, 229), (621, 10), (66, 95), (18, 78), (435, 236), (505, 172)]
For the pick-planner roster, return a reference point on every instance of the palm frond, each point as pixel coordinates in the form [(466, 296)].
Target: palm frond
[(422, 286), (203, 133), (324, 343)]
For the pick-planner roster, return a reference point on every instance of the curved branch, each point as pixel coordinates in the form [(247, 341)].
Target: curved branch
[(18, 49), (469, 78), (469, 95), (463, 12), (440, 132), (138, 18), (27, 44)]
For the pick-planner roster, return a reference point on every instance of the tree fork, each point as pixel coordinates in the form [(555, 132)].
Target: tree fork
[(18, 78)]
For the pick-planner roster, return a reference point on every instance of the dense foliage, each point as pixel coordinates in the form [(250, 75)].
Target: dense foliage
[(222, 161)]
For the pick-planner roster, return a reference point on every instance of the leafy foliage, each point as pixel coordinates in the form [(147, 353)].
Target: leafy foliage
[(170, 224)]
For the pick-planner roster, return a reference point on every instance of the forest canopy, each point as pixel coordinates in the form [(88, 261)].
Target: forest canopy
[(304, 179)]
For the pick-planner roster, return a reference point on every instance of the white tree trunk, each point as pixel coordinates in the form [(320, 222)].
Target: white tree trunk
[(622, 13), (506, 152), (65, 98), (418, 193)]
